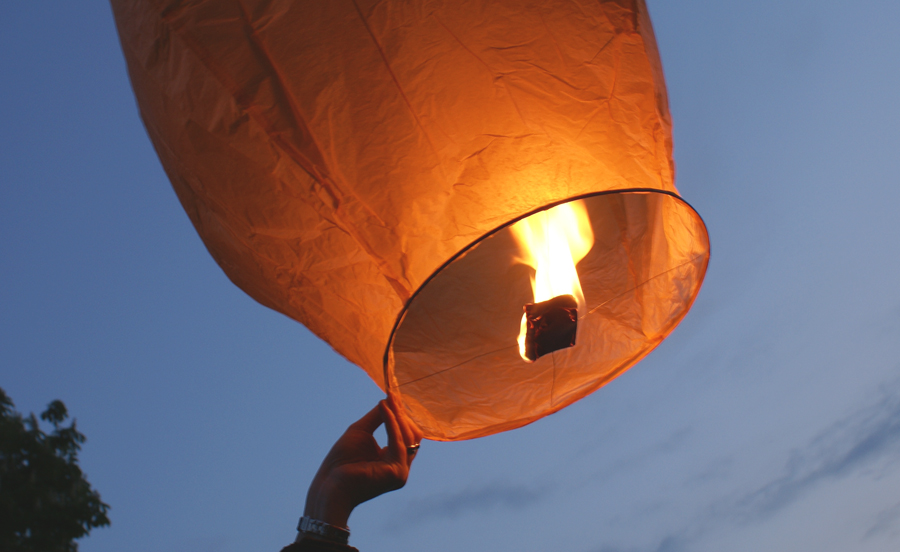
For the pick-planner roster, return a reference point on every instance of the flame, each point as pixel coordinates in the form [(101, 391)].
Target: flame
[(552, 242)]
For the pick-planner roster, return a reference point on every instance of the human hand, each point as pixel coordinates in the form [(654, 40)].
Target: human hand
[(356, 469)]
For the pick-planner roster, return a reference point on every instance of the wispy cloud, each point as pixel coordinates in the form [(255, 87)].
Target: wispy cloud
[(886, 523), (670, 444), (851, 444), (718, 470), (669, 543), (474, 499), (865, 439)]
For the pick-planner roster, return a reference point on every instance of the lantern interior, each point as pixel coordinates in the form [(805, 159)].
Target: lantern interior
[(453, 358)]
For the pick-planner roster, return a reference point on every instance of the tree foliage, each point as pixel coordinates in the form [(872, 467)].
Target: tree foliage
[(46, 503)]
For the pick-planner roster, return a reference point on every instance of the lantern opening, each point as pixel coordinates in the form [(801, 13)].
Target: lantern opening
[(453, 356), (552, 242)]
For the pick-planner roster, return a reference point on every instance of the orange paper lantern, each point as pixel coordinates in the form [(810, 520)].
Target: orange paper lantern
[(359, 165)]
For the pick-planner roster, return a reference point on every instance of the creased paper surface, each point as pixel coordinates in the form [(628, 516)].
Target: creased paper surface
[(334, 155)]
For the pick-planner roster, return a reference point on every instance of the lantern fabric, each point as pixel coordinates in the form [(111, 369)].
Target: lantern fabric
[(356, 164)]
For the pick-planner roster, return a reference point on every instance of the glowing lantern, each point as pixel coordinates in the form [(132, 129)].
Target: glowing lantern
[(386, 174)]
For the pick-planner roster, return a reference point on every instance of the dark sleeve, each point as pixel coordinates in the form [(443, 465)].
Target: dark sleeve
[(309, 544)]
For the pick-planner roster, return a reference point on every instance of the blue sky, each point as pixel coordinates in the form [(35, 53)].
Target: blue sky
[(769, 420)]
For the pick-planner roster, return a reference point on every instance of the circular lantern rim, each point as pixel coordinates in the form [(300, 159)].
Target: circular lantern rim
[(472, 245)]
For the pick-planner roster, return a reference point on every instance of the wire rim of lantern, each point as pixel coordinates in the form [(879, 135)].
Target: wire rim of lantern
[(392, 386)]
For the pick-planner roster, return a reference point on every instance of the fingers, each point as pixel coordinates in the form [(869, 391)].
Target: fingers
[(396, 442), (403, 434), (412, 435), (409, 438), (370, 422), (419, 434)]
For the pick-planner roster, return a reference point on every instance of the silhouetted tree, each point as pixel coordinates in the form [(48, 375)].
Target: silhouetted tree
[(45, 500)]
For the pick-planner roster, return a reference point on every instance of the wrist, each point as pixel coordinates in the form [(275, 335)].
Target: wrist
[(324, 504), (318, 530)]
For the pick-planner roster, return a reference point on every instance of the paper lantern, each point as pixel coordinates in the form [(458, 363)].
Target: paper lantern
[(359, 165)]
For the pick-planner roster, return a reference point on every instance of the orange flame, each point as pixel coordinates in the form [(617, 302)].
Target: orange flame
[(552, 243)]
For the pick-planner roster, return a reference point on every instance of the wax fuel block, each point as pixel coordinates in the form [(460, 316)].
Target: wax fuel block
[(551, 326)]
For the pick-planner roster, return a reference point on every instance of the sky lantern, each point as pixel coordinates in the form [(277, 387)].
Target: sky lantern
[(473, 201)]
